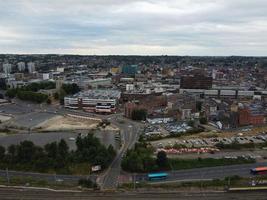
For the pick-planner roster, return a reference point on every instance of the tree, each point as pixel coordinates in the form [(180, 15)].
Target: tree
[(111, 151), (48, 101), (11, 93), (51, 149), (2, 152), (139, 114), (12, 151), (26, 151), (56, 96), (63, 149), (162, 160), (199, 106), (62, 95), (87, 183), (203, 120), (71, 88), (191, 123)]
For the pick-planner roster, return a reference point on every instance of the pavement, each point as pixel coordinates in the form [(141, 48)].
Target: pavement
[(32, 194)]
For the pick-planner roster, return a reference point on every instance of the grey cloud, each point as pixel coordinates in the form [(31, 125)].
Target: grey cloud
[(194, 27)]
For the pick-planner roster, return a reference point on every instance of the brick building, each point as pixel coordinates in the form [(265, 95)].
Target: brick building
[(196, 81), (248, 117)]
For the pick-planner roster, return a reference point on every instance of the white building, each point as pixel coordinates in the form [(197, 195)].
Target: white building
[(46, 76), (21, 66), (31, 67), (7, 68), (60, 69), (99, 101)]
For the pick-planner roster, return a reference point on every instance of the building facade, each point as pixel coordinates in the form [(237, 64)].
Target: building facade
[(98, 101), (196, 82)]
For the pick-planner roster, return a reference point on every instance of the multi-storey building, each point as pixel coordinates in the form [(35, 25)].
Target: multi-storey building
[(31, 67), (7, 68), (99, 101), (21, 66)]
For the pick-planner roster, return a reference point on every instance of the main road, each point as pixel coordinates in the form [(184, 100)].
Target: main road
[(208, 173)]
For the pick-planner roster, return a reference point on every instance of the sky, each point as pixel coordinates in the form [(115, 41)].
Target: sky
[(134, 27)]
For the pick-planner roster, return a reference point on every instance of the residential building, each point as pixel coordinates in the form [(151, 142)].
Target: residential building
[(7, 68), (31, 67), (21, 66)]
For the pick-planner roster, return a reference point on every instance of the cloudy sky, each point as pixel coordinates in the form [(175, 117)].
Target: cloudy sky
[(131, 27)]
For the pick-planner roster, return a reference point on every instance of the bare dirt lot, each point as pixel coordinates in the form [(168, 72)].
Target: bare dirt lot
[(59, 123)]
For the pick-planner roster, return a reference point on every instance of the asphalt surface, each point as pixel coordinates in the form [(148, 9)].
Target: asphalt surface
[(28, 115), (208, 173), (129, 133), (28, 194)]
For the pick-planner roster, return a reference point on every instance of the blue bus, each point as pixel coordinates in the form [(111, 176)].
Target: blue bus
[(157, 176)]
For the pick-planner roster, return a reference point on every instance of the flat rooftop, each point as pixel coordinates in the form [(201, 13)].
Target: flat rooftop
[(99, 94)]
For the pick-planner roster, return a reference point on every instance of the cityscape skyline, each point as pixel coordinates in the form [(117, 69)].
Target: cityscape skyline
[(195, 28)]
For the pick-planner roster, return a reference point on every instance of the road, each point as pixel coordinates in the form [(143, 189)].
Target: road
[(29, 194), (33, 114), (208, 172), (129, 133)]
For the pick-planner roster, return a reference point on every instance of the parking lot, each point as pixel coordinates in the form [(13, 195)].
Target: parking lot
[(210, 142), (166, 129)]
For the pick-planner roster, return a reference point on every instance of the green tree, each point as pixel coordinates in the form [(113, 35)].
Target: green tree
[(48, 101), (139, 114), (2, 152), (63, 149), (26, 151), (203, 120), (12, 152), (51, 149), (11, 93), (191, 123), (56, 95), (71, 88), (62, 95), (162, 160)]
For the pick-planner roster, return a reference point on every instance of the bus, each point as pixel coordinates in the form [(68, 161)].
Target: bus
[(258, 170), (157, 176)]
